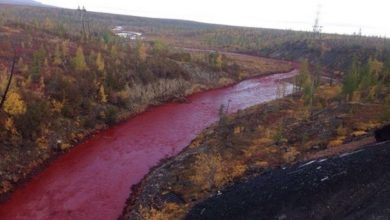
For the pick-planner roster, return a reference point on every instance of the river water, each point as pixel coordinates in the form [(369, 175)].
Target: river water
[(93, 180)]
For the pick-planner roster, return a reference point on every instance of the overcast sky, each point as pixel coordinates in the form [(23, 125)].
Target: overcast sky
[(337, 16)]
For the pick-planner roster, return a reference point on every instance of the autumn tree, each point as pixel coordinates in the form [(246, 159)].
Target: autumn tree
[(79, 63), (317, 75), (114, 51), (48, 24), (306, 83), (37, 64), (65, 48), (351, 80), (207, 171), (57, 60), (102, 94), (225, 130), (308, 92), (100, 62), (3, 80), (371, 82), (14, 104), (140, 51), (32, 123), (303, 76), (159, 48), (8, 84), (216, 60)]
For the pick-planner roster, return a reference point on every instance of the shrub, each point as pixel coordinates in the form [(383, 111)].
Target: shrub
[(32, 122)]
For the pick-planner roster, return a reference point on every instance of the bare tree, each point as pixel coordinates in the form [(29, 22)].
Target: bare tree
[(9, 82)]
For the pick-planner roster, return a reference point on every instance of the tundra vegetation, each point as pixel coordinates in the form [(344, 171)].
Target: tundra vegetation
[(71, 76)]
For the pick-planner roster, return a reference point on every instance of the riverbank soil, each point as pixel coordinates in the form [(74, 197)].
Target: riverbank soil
[(250, 142)]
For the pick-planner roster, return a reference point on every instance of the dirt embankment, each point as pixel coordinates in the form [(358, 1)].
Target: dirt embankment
[(250, 142), (353, 185)]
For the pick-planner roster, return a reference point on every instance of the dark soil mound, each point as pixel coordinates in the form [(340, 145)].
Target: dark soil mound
[(383, 134), (350, 186)]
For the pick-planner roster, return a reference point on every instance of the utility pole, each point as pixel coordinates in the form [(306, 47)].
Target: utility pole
[(316, 27)]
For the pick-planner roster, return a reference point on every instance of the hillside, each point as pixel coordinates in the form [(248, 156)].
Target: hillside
[(332, 51), (21, 2)]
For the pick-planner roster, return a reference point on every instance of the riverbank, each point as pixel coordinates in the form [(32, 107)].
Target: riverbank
[(94, 170), (250, 142)]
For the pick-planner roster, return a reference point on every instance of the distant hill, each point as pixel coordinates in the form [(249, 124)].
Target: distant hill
[(22, 2)]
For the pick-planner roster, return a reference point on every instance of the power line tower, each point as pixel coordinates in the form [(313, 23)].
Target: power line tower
[(317, 28)]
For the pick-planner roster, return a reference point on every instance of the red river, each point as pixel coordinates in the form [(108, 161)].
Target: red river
[(93, 180)]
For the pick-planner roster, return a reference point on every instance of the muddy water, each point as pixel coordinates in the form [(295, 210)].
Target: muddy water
[(93, 180)]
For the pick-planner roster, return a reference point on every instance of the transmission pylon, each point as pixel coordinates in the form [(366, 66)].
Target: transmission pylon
[(317, 28)]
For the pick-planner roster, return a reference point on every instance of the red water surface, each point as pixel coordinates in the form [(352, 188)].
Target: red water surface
[(93, 180)]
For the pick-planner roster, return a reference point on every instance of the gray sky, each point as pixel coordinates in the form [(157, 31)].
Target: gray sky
[(337, 16)]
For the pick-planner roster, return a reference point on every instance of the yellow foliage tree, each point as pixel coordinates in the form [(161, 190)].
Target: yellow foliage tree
[(65, 48), (208, 171), (10, 125), (114, 51), (218, 61), (79, 60), (100, 62), (102, 94), (14, 104), (56, 106), (3, 80), (375, 66), (140, 51), (57, 55), (48, 23)]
